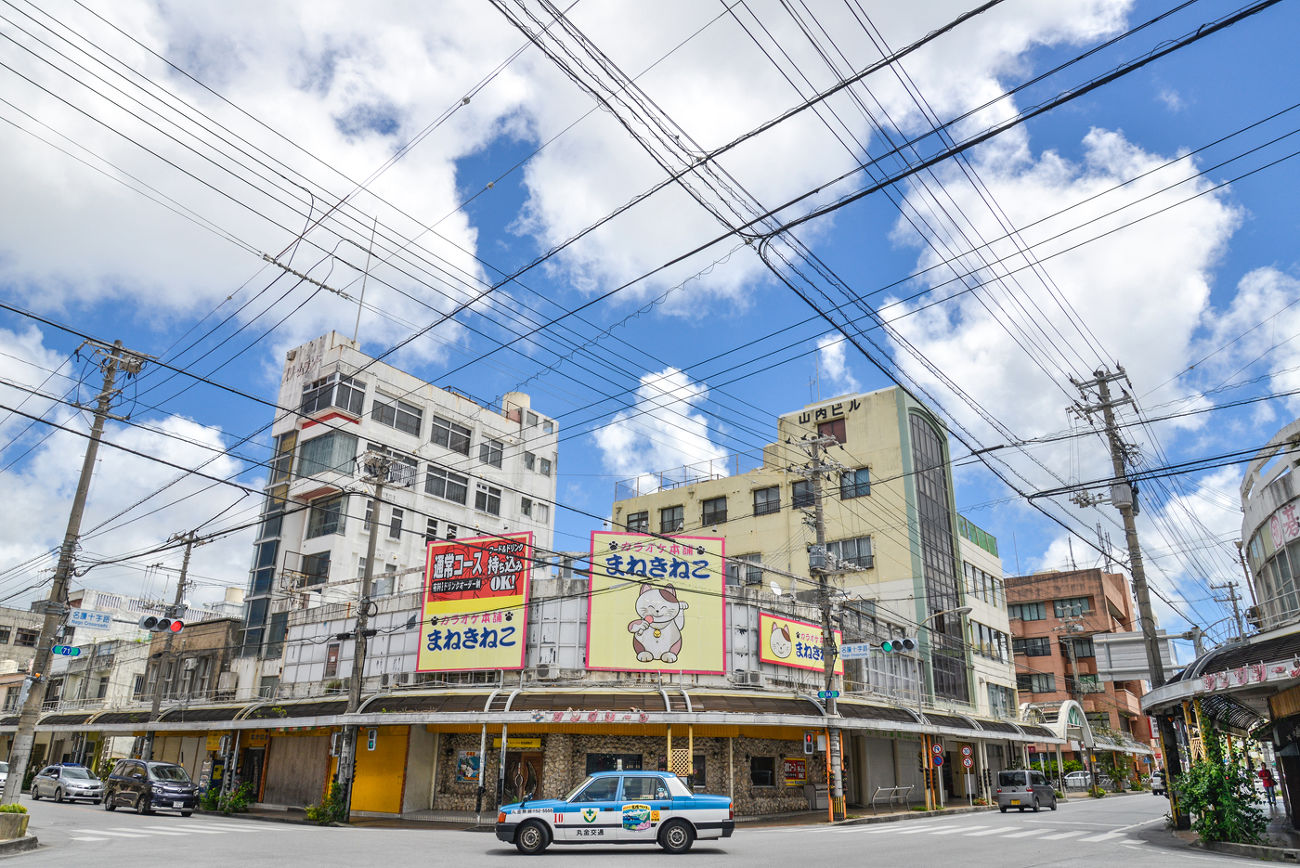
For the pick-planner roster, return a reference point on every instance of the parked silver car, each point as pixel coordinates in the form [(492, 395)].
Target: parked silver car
[(67, 782), (1021, 788), (1083, 780)]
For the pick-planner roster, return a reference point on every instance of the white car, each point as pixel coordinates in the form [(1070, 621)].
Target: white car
[(1083, 780), (629, 807)]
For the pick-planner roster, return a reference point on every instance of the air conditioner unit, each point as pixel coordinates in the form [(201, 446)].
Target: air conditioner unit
[(749, 677), (547, 672), (403, 678)]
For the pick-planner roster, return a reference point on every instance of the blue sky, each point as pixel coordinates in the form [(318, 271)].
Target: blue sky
[(154, 152)]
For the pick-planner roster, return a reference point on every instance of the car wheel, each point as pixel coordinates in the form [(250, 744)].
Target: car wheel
[(1053, 801), (108, 804), (676, 836), (1002, 808), (1035, 804), (142, 804), (58, 794), (531, 838), (36, 794), (186, 813)]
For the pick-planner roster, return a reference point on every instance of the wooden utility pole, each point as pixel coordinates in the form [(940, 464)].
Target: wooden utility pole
[(56, 606)]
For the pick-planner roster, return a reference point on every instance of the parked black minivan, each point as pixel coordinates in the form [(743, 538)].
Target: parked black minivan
[(149, 787)]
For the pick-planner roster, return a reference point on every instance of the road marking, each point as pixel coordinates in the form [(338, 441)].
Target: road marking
[(884, 829), (113, 834), (165, 830), (142, 830), (253, 827), (1061, 835), (1105, 836), (197, 830), (954, 830), (1028, 832), (926, 829), (997, 830), (86, 838), (1134, 843)]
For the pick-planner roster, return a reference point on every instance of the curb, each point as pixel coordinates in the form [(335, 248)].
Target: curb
[(24, 844), (1252, 851)]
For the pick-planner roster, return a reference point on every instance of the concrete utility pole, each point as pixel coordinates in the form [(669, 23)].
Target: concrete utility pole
[(375, 468), (56, 607), (821, 571), (1127, 506), (1231, 597), (190, 539)]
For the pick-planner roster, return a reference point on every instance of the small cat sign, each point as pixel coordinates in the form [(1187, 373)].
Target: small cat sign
[(656, 604), (794, 643)]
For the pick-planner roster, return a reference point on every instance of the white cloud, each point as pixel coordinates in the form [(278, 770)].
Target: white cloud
[(1172, 100), (830, 351), (661, 432)]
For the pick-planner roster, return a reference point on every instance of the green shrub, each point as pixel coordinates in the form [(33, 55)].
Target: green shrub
[(331, 809), (1097, 792), (211, 799), (15, 808), (1221, 801)]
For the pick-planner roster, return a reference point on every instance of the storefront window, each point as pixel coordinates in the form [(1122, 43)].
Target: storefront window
[(608, 762)]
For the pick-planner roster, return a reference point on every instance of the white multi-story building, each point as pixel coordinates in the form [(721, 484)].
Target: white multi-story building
[(459, 469)]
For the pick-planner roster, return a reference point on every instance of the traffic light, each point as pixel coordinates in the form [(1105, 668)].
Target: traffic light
[(808, 743), (159, 624), (902, 643)]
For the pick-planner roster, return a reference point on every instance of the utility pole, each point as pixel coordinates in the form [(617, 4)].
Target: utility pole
[(821, 571), (1124, 498), (1231, 597), (56, 607), (375, 467), (191, 539)]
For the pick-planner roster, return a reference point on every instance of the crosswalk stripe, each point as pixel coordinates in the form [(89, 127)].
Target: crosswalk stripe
[(163, 830), (1028, 833), (86, 838), (1104, 836), (252, 827), (143, 830), (884, 829), (1061, 835), (113, 834), (196, 830), (954, 830), (993, 831)]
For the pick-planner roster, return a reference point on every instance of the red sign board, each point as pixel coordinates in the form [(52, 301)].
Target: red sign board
[(477, 569)]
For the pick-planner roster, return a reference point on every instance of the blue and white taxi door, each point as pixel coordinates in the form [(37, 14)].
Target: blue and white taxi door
[(593, 813), (646, 806)]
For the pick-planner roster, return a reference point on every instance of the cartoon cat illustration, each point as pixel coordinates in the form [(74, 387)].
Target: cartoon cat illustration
[(780, 641), (657, 632)]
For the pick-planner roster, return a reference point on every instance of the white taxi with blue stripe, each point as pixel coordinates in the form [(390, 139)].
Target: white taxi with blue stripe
[(628, 807)]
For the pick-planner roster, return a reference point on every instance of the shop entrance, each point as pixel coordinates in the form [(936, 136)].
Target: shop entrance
[(250, 769), (523, 775)]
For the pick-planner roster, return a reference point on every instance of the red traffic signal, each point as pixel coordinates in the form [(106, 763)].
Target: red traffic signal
[(809, 744), (158, 624)]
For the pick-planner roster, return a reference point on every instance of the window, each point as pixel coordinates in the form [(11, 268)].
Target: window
[(548, 427), (1027, 611), (544, 466), (1034, 646), (336, 390), (395, 524), (397, 414), (638, 522), (1083, 648), (1002, 701), (1072, 606), (611, 762), (487, 499), (744, 570), (801, 494), (451, 531), (855, 483), (530, 461), (282, 464), (326, 515), (714, 511), (26, 637), (833, 428), (333, 452), (767, 500), (1084, 683), (315, 569), (1036, 683), (987, 641), (450, 435), (526, 506), (383, 585), (489, 452), (856, 552), (370, 514), (762, 771), (4, 635), (541, 512), (643, 789), (430, 529), (402, 469), (531, 419), (445, 484), (671, 519), (599, 790), (331, 660)]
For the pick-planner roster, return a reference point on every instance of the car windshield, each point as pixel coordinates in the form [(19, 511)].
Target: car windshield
[(169, 773), (4, 768), (77, 774), (573, 792)]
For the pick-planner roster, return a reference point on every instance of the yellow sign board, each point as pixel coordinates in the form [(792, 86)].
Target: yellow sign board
[(476, 604), (214, 741), (519, 743), (656, 605), (257, 738), (784, 642)]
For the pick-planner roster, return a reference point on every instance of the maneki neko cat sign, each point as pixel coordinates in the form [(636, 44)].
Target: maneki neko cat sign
[(656, 605)]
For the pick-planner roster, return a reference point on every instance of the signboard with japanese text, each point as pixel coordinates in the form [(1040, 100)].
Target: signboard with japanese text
[(794, 771), (784, 642), (656, 605), (476, 604), (85, 619)]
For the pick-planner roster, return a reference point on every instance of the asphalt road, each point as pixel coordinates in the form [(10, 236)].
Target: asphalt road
[(1118, 830)]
